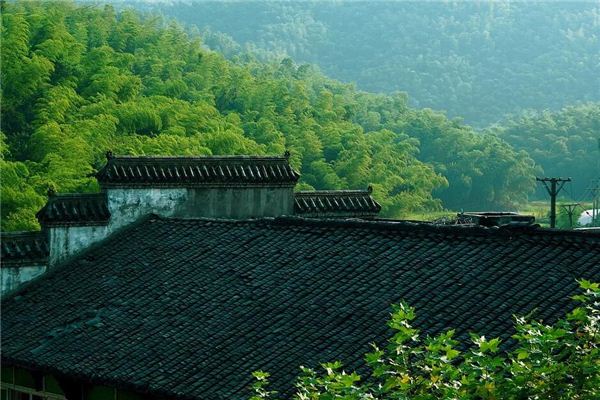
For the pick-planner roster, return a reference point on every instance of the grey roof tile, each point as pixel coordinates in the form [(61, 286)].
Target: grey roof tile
[(22, 248), (335, 202), (208, 171), (75, 209), (189, 308)]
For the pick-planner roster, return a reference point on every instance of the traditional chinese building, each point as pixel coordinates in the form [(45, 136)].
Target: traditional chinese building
[(227, 187)]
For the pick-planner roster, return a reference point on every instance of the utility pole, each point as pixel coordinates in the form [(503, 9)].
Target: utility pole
[(596, 206), (570, 209), (553, 191)]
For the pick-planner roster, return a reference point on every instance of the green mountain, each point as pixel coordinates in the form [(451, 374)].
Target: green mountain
[(478, 60), (79, 80), (565, 143)]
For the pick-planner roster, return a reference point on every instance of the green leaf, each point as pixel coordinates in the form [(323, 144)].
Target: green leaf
[(261, 375)]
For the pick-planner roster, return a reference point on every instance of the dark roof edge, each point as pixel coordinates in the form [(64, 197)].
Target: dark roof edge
[(75, 223), (118, 383), (405, 225), (199, 158), (96, 201), (25, 259), (344, 192), (31, 262), (141, 171), (359, 214), (21, 234), (186, 185), (86, 195)]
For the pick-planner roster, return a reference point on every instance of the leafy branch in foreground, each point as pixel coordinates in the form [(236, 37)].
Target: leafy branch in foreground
[(560, 361)]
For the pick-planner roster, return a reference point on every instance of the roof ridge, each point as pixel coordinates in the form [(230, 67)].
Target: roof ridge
[(352, 202), (332, 192), (201, 171), (404, 225), (74, 209), (200, 158), (64, 196), (19, 234), (23, 249)]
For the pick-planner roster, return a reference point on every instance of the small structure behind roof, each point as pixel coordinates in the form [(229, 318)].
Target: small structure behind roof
[(495, 218)]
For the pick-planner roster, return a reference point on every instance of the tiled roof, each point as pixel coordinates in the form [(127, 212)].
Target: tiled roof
[(21, 248), (189, 308), (230, 171), (75, 209), (335, 202)]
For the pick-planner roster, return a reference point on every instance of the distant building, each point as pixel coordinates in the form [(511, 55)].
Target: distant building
[(184, 275)]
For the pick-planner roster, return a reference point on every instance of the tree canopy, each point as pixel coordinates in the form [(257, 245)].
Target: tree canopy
[(78, 80), (563, 143)]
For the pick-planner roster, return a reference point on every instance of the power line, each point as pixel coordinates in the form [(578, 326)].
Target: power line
[(570, 209), (556, 185)]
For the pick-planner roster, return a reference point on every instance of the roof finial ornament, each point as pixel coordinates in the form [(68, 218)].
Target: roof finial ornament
[(370, 189), (287, 154), (51, 191), (109, 154)]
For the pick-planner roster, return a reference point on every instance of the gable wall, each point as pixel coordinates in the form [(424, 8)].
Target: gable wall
[(66, 241), (127, 205), (13, 276)]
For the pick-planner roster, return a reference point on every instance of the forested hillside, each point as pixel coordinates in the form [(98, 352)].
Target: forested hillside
[(78, 80), (564, 143), (477, 60)]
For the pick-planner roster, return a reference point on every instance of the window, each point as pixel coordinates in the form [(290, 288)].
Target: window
[(20, 384), (12, 394), (28, 394)]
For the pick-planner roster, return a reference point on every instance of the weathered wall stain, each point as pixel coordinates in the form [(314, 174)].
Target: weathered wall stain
[(129, 205), (12, 277)]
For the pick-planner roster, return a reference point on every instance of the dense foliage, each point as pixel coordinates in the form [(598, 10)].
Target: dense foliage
[(564, 143), (560, 361), (78, 80), (477, 60)]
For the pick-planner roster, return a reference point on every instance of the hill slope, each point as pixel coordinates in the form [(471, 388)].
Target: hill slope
[(78, 80), (477, 60), (563, 143)]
